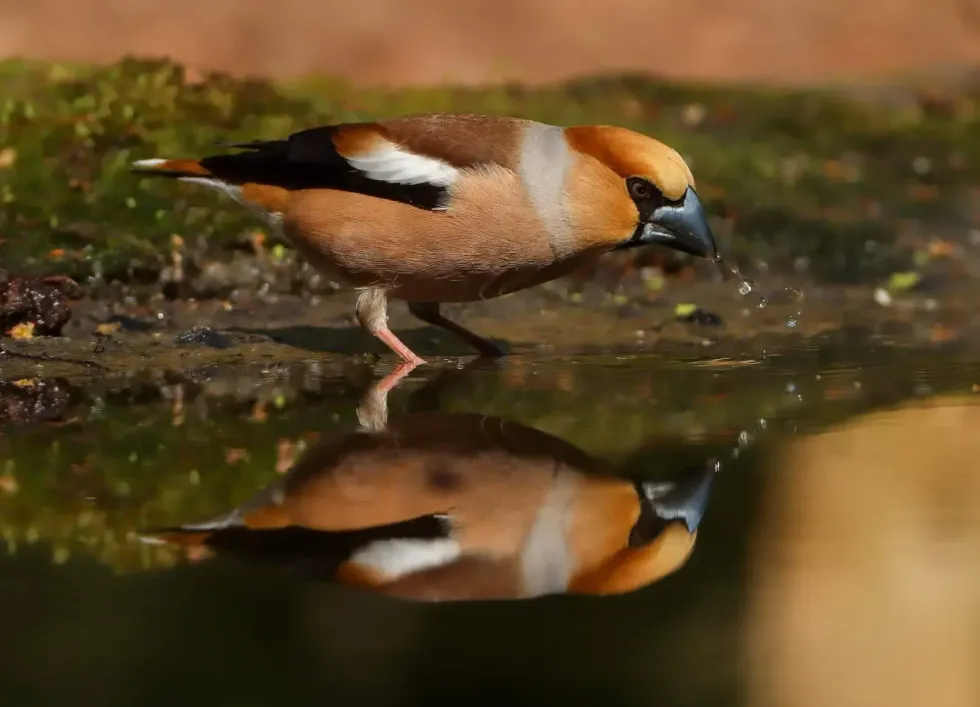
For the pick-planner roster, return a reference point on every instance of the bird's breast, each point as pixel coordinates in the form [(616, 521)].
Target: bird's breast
[(489, 241)]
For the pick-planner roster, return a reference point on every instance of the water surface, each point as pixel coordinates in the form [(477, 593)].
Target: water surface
[(841, 510)]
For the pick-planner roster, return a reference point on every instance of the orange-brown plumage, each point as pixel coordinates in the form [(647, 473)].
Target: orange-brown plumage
[(453, 208), (628, 569), (183, 166), (630, 154), (358, 138), (266, 197), (599, 204), (472, 139)]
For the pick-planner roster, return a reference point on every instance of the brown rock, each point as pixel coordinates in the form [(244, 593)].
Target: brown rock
[(38, 301)]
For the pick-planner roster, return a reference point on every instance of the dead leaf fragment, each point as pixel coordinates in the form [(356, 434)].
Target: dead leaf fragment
[(22, 331), (108, 328)]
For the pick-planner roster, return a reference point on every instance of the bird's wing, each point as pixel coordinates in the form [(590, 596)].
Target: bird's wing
[(413, 159)]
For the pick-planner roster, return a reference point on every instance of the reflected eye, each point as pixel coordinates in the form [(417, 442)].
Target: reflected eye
[(640, 189)]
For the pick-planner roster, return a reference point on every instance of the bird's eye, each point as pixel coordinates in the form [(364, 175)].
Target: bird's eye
[(640, 189)]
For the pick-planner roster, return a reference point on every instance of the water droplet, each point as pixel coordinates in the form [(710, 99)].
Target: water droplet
[(717, 466), (791, 387), (743, 438), (762, 423), (762, 303), (744, 287), (791, 322)]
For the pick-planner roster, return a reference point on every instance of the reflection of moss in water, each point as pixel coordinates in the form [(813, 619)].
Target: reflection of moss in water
[(798, 172), (136, 459)]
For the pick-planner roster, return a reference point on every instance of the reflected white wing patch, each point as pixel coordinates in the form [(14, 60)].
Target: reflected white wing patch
[(390, 163), (399, 557)]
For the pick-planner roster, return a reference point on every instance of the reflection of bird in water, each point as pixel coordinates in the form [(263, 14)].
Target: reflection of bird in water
[(456, 506)]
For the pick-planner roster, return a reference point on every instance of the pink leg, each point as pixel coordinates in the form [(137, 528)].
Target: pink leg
[(372, 312), (392, 379), (396, 345), (372, 412)]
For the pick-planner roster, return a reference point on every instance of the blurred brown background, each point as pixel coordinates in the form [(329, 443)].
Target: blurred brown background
[(430, 41), (865, 586)]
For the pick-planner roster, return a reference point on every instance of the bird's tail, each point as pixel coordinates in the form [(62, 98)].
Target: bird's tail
[(225, 174), (177, 536), (194, 534), (177, 168)]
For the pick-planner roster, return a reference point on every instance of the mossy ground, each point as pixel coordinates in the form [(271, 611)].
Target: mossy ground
[(843, 187)]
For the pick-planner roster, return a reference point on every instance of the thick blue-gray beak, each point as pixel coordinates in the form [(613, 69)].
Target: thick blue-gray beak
[(681, 226), (682, 498)]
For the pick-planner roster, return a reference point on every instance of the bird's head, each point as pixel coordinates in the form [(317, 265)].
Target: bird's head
[(645, 188)]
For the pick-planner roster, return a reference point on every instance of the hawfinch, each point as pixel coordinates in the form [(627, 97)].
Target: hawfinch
[(456, 208), (460, 507)]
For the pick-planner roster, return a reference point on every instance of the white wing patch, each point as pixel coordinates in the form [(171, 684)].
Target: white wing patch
[(396, 558), (391, 163)]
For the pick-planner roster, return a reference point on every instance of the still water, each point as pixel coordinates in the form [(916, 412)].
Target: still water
[(797, 529)]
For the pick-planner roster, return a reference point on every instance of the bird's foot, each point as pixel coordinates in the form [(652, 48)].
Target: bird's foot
[(396, 345), (491, 349)]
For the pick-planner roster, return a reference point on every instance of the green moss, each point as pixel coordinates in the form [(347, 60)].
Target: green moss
[(795, 172)]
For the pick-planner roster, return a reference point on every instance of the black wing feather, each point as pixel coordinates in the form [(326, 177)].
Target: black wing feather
[(309, 160), (317, 554)]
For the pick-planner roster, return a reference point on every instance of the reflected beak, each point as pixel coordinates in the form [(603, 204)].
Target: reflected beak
[(685, 497), (682, 498), (682, 226)]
